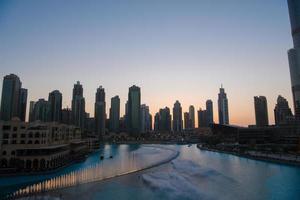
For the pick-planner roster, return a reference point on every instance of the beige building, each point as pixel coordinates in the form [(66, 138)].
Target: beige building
[(38, 146)]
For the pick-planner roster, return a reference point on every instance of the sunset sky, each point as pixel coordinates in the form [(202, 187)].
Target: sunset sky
[(173, 49)]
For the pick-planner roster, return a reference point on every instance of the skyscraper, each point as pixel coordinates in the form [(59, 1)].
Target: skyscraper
[(186, 121), (177, 117), (145, 119), (100, 112), (31, 109), (192, 116), (202, 118), (66, 116), (156, 122), (114, 114), (23, 104), (209, 112), (261, 111), (78, 106), (134, 109), (55, 101), (14, 98), (282, 111), (41, 111), (164, 120), (294, 54), (223, 107)]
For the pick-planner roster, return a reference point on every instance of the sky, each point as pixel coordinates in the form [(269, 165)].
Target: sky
[(173, 49)]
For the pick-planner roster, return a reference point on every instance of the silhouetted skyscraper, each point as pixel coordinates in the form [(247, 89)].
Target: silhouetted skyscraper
[(23, 103), (164, 120), (294, 54), (100, 112), (31, 109), (209, 112), (177, 117), (223, 107), (145, 119), (202, 118), (78, 106), (66, 116), (156, 122), (261, 111), (187, 121), (192, 116), (55, 100), (114, 114), (14, 98), (134, 109), (41, 111), (282, 111)]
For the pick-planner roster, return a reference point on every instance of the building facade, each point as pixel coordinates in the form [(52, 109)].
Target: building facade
[(38, 146), (223, 107), (100, 112), (134, 110), (114, 114), (261, 111), (55, 101), (294, 54), (78, 106), (282, 112), (177, 117)]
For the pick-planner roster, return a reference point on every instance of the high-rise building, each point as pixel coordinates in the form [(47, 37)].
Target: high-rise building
[(55, 101), (156, 122), (42, 111), (78, 106), (23, 104), (202, 118), (100, 112), (134, 110), (282, 111), (31, 109), (186, 121), (177, 117), (209, 112), (164, 120), (294, 54), (66, 116), (145, 119), (261, 111), (223, 107), (14, 98), (114, 114), (192, 116)]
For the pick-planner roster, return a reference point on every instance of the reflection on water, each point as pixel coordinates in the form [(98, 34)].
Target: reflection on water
[(128, 159)]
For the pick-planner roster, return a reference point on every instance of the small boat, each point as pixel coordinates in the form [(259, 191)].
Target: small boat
[(110, 156), (101, 157), (189, 145)]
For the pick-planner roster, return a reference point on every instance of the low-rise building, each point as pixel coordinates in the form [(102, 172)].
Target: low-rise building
[(38, 146)]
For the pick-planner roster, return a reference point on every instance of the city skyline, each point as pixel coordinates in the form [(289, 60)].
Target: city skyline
[(192, 67)]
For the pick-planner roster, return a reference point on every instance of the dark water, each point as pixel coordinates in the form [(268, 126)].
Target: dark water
[(195, 174)]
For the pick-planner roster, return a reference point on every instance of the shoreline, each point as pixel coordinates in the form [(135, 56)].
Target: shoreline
[(252, 157)]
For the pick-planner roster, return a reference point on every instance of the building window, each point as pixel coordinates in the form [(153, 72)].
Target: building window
[(30, 135), (29, 142), (5, 136), (15, 128), (5, 142), (13, 153), (22, 141), (37, 135), (14, 142), (37, 142), (6, 128), (23, 135), (14, 135), (4, 153)]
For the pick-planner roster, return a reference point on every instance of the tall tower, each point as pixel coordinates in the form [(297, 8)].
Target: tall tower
[(55, 101), (223, 107), (209, 112), (100, 112), (134, 109), (78, 106), (14, 98), (192, 116), (177, 117), (294, 54), (261, 111), (114, 114)]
